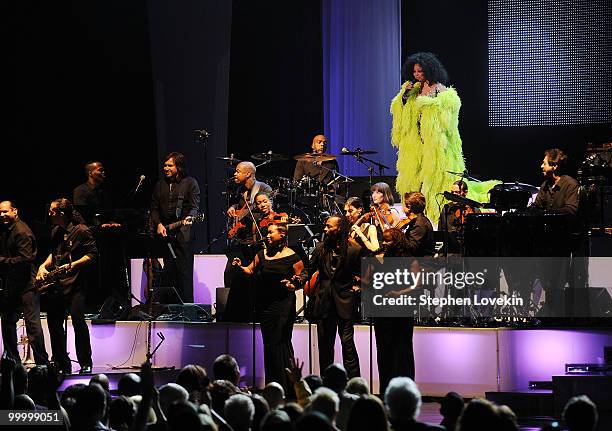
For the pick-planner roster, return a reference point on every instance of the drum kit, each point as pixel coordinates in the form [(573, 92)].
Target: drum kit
[(307, 197)]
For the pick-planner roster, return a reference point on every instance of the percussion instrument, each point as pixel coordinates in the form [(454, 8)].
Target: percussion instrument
[(314, 157), (308, 191), (269, 156)]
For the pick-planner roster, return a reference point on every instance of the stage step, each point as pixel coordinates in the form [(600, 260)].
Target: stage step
[(161, 376), (525, 402)]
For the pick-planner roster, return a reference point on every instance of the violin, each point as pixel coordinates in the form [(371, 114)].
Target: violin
[(401, 225), (383, 215), (278, 218)]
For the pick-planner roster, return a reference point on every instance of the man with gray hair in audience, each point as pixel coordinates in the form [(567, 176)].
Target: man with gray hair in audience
[(327, 402), (239, 412), (403, 401)]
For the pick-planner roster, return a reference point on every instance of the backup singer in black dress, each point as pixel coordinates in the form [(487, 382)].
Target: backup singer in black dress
[(394, 351), (280, 271)]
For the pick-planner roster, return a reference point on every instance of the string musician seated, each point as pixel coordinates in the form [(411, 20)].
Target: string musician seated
[(384, 216), (452, 219), (363, 233)]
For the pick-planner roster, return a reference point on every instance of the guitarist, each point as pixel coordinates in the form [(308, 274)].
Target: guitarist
[(72, 247), (175, 197), (17, 254), (238, 308)]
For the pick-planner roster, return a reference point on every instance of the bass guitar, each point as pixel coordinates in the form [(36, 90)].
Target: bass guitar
[(189, 220)]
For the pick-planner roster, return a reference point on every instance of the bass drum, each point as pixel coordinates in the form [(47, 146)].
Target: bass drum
[(283, 189)]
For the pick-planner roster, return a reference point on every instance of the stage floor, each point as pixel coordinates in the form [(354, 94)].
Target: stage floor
[(470, 361)]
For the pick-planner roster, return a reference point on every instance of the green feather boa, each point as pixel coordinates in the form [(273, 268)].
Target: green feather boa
[(424, 158)]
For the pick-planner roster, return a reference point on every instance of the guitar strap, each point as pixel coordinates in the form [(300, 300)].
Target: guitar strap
[(179, 203)]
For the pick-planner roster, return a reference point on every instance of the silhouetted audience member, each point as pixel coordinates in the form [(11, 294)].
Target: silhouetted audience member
[(20, 379), (121, 413), (183, 416), (336, 378), (325, 401), (220, 391), (276, 420), (507, 419), (23, 402), (451, 408), (261, 409), (294, 410), (225, 367), (171, 393), (37, 385), (403, 401), (69, 396), (129, 385), (102, 380), (313, 421), (314, 381), (479, 415), (239, 411), (580, 414), (368, 414), (195, 380), (358, 386), (89, 409), (274, 395)]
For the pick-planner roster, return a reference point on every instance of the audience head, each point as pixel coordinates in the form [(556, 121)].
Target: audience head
[(37, 384), (451, 407), (326, 401), (23, 402), (220, 391), (195, 380), (335, 377), (225, 367), (121, 414), (358, 386), (183, 416), (129, 384), (276, 420), (261, 409), (403, 399), (102, 380), (90, 406), (507, 419), (479, 415), (171, 393), (313, 421), (274, 395), (580, 414), (239, 412), (368, 413), (294, 410), (314, 381)]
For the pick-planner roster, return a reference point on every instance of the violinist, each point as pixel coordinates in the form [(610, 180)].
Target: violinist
[(452, 219), (384, 215), (419, 230), (363, 232)]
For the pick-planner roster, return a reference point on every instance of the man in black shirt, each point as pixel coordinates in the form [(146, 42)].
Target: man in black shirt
[(314, 170), (334, 303), (419, 231), (239, 306), (451, 220), (17, 254), (176, 197), (91, 199), (559, 193), (73, 248)]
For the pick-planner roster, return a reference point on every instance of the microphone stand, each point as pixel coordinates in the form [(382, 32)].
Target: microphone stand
[(201, 136), (369, 164)]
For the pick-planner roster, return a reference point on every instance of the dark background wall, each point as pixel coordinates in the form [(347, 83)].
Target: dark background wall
[(457, 33)]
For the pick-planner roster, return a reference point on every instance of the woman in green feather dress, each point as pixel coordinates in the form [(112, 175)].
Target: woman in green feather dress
[(426, 132)]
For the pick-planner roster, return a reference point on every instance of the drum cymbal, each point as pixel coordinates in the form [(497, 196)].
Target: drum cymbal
[(230, 159), (269, 156), (314, 157)]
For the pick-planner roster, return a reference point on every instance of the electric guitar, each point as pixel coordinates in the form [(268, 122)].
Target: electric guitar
[(189, 220)]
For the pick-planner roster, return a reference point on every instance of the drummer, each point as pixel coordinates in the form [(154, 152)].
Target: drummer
[(315, 169)]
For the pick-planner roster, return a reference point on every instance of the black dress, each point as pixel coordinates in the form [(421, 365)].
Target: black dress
[(276, 313)]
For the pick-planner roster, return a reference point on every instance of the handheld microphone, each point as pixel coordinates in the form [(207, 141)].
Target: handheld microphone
[(345, 150), (140, 181)]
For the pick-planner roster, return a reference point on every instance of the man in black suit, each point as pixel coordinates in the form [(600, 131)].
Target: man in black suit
[(334, 303)]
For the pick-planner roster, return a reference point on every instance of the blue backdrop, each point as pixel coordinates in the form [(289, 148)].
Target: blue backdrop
[(361, 74)]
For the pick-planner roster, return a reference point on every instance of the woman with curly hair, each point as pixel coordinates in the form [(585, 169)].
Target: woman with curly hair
[(426, 132)]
